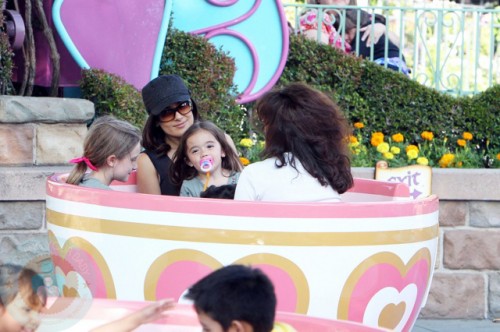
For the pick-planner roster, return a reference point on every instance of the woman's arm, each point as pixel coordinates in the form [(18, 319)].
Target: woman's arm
[(148, 181)]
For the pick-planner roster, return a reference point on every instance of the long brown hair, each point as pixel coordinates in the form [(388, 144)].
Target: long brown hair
[(107, 136), (308, 124)]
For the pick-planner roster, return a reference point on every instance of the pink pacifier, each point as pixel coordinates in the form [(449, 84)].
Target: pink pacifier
[(206, 164)]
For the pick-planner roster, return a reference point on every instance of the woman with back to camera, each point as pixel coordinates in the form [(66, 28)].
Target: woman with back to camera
[(306, 149)]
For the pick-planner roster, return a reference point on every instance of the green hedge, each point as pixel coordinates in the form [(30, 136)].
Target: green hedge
[(383, 100), (112, 95), (387, 101), (209, 73), (6, 55)]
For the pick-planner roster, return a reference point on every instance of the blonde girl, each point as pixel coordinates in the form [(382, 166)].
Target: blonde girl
[(110, 151), (204, 158)]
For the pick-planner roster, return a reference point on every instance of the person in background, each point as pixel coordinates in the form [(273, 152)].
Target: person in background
[(204, 158), (110, 151), (307, 158), (394, 59), (329, 34)]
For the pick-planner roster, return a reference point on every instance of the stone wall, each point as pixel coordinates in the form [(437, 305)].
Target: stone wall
[(466, 283), (37, 138), (39, 135)]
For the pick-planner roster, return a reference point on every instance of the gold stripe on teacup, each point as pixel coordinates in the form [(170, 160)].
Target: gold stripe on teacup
[(211, 235)]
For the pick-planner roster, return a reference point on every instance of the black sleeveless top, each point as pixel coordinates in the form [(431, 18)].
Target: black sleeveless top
[(162, 164)]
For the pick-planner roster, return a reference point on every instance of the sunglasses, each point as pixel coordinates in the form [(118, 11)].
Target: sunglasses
[(183, 108)]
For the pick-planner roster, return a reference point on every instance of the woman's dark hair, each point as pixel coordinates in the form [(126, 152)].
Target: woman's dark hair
[(181, 171), (153, 137), (307, 123)]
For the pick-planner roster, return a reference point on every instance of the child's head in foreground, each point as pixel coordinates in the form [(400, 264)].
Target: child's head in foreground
[(234, 298), (22, 297)]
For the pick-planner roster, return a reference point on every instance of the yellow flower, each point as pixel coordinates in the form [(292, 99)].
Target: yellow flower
[(411, 147), (353, 145), (427, 135), (388, 155), (498, 156), (377, 138), (461, 142), (395, 150), (383, 147), (353, 139), (244, 161), (412, 154), (398, 138), (359, 125), (467, 136), (246, 142), (422, 161), (446, 160)]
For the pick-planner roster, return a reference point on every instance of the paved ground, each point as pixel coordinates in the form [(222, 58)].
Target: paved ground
[(441, 325)]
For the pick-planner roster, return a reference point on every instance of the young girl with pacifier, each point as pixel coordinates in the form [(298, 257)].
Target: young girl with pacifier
[(204, 158), (110, 151)]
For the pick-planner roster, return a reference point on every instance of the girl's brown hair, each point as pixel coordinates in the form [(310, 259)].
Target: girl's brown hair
[(181, 171), (308, 124), (107, 136)]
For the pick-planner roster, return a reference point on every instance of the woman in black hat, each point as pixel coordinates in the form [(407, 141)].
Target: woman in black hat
[(171, 112)]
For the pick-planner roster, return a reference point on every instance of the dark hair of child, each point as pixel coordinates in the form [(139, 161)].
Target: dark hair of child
[(236, 292), (224, 192)]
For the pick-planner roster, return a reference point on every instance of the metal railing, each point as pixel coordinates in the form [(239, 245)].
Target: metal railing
[(454, 50)]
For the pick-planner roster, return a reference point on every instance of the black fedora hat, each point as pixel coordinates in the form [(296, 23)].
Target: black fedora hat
[(163, 91)]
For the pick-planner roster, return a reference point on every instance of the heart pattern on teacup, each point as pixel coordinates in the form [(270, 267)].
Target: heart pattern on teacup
[(80, 268), (383, 291), (172, 273)]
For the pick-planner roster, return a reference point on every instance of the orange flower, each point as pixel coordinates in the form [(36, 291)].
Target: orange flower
[(446, 160), (244, 161), (353, 139), (498, 156), (377, 138), (427, 135), (359, 125), (398, 138), (461, 142), (467, 136)]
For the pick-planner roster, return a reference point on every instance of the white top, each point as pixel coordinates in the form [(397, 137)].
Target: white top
[(263, 181)]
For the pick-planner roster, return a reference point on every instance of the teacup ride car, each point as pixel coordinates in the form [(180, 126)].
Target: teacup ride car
[(368, 259), (182, 318)]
